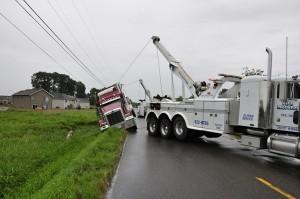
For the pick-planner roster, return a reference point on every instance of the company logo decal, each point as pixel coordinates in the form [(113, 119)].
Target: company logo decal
[(248, 117), (201, 122), (287, 106)]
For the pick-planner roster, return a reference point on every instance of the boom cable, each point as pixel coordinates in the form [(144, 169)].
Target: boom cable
[(134, 60)]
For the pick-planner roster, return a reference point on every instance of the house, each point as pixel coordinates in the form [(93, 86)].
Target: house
[(32, 99), (5, 100), (63, 101), (83, 102)]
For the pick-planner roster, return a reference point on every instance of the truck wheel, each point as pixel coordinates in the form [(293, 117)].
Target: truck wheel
[(179, 128), (152, 125), (165, 128)]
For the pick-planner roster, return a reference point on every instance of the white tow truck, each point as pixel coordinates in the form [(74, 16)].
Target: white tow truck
[(264, 110)]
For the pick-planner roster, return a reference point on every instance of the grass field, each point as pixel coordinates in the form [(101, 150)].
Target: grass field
[(37, 160)]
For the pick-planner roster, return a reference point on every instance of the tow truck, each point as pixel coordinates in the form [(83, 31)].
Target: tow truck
[(115, 108), (263, 110)]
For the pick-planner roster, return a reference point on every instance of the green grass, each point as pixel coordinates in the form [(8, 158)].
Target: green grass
[(38, 161)]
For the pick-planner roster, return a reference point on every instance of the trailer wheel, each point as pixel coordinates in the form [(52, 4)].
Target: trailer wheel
[(152, 125), (165, 128), (179, 128)]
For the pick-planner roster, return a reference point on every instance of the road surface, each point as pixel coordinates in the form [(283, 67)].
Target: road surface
[(151, 167)]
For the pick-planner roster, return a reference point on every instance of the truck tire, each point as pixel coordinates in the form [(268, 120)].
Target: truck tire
[(165, 128), (179, 128), (152, 126)]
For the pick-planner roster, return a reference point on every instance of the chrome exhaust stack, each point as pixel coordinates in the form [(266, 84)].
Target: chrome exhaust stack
[(269, 72)]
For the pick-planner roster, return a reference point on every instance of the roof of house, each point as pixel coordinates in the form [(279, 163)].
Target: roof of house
[(29, 92), (62, 96)]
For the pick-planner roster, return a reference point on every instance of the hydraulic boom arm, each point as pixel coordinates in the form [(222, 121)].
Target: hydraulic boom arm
[(147, 92), (176, 68)]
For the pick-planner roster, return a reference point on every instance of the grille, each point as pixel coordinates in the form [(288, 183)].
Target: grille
[(115, 117)]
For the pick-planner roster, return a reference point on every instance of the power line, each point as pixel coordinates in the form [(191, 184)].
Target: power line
[(71, 32), (34, 43), (87, 69), (48, 33), (69, 52), (133, 61), (87, 27)]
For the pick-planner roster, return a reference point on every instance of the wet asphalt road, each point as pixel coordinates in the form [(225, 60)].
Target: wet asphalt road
[(152, 167)]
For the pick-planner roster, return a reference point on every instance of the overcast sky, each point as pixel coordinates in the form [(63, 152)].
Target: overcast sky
[(208, 37)]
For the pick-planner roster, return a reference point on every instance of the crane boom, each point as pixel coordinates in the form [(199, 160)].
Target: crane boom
[(147, 92), (177, 68)]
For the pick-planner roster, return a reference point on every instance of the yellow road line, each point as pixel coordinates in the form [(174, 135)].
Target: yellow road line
[(278, 190)]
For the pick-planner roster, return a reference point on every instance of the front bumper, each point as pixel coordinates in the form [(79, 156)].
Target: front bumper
[(126, 124), (102, 128)]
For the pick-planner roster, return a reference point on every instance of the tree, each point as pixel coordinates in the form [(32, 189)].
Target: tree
[(41, 80), (93, 95), (252, 71), (80, 90), (56, 82), (179, 99)]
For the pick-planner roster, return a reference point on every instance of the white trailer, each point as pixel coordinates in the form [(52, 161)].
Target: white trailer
[(264, 110)]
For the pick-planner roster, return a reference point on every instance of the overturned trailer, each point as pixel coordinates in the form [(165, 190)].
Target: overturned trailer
[(264, 110)]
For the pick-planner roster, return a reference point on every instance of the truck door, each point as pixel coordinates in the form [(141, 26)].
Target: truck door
[(286, 107)]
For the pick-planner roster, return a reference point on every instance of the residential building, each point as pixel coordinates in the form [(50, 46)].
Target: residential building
[(32, 99), (83, 102), (63, 101), (5, 100)]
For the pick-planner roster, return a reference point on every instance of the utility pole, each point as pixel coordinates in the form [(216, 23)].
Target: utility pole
[(286, 56)]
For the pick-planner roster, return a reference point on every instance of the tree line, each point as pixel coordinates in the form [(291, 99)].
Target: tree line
[(55, 82), (62, 83)]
